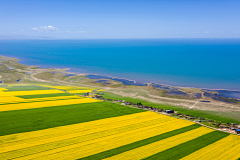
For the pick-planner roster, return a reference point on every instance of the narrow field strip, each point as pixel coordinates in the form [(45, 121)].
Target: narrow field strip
[(159, 146), (95, 146), (140, 143), (35, 92), (7, 101), (68, 87), (189, 147), (71, 139), (10, 99), (11, 107), (79, 91), (48, 117), (80, 126), (24, 88), (227, 148), (44, 95), (23, 140)]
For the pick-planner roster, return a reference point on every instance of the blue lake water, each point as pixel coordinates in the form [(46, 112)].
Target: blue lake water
[(202, 63)]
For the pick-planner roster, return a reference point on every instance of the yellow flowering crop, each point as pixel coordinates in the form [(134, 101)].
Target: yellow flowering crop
[(67, 87), (10, 107), (12, 99), (80, 126), (98, 145), (32, 92), (80, 91), (68, 138), (79, 137), (22, 140), (227, 148), (159, 146)]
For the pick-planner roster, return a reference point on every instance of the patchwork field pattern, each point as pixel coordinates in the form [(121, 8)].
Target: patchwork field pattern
[(52, 124)]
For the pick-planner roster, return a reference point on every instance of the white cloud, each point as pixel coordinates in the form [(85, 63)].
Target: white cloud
[(45, 28), (34, 28)]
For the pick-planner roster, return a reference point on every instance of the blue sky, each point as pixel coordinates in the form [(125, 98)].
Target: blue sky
[(88, 19)]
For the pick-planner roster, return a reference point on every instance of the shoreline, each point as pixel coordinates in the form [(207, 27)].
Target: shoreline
[(68, 69), (127, 81)]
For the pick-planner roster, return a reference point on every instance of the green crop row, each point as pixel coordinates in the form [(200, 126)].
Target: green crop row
[(42, 118), (137, 144), (189, 147), (44, 95)]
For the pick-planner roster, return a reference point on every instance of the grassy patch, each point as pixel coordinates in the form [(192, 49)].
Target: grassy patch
[(225, 117), (137, 144), (44, 95), (25, 88), (42, 118), (189, 147), (210, 124)]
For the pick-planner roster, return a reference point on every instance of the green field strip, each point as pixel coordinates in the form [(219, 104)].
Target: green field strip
[(137, 144), (189, 147), (25, 88), (19, 121), (44, 95)]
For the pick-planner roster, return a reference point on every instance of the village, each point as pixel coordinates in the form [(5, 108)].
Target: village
[(232, 128)]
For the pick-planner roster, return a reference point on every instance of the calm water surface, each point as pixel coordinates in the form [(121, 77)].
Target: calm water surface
[(203, 63)]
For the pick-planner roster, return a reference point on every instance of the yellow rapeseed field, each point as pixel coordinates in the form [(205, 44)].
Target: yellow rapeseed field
[(67, 87), (10, 107), (81, 140), (12, 99), (159, 146), (61, 141), (22, 140), (80, 91), (98, 145), (31, 92), (227, 148)]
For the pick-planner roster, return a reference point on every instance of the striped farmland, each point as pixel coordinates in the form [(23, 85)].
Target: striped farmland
[(82, 129)]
